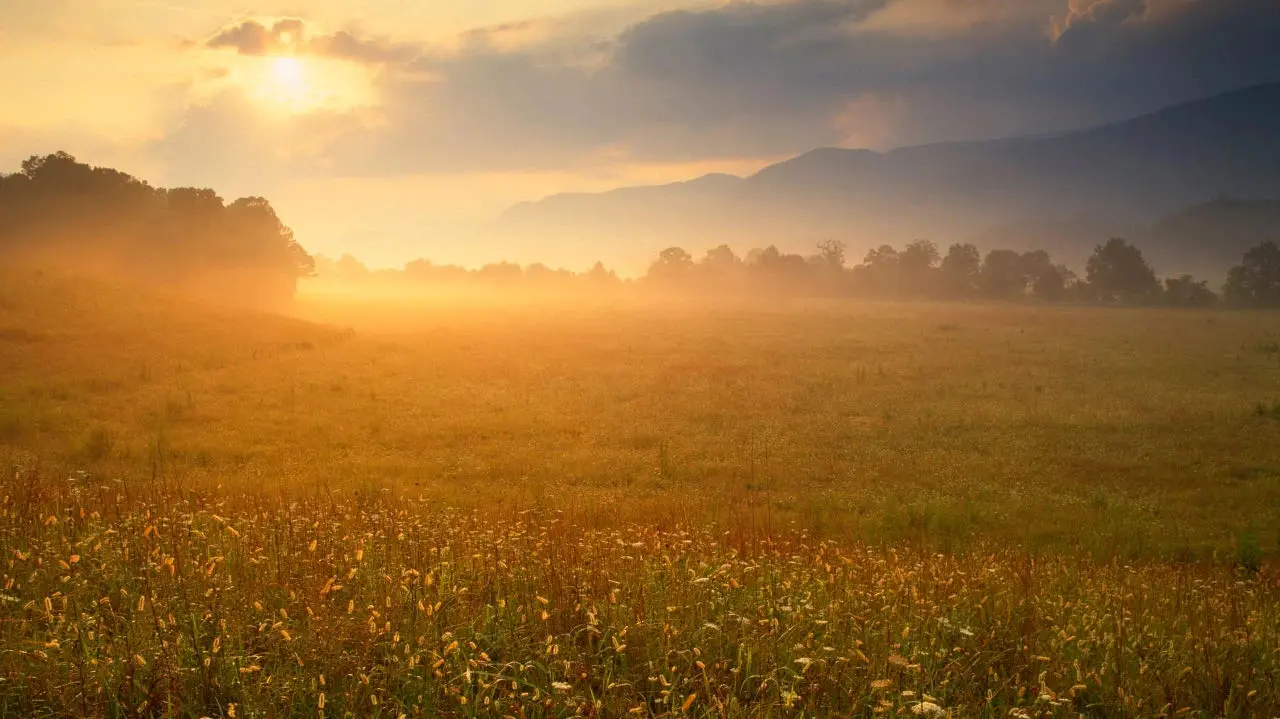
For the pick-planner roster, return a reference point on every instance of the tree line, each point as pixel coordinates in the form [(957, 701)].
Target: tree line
[(57, 211), (504, 275), (1115, 273)]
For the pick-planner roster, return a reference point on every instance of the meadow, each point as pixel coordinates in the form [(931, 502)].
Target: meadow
[(634, 507)]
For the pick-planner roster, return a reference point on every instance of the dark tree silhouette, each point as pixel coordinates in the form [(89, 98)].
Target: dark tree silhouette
[(61, 212), (960, 271), (1003, 275), (879, 271), (916, 265), (1048, 281), (1255, 282), (1185, 291), (1117, 271)]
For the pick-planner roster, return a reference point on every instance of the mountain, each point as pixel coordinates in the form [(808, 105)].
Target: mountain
[(1100, 181)]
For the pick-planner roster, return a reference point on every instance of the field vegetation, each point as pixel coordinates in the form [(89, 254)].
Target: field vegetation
[(636, 507)]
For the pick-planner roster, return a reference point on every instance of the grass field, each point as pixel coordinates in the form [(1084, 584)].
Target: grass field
[(633, 507)]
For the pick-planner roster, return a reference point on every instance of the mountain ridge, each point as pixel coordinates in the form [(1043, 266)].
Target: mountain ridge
[(1123, 174)]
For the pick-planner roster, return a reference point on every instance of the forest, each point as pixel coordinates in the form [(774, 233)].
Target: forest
[(62, 213)]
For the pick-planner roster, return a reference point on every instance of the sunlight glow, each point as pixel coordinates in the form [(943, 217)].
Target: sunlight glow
[(289, 72), (290, 85)]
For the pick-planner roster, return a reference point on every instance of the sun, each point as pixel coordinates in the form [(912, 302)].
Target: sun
[(289, 84)]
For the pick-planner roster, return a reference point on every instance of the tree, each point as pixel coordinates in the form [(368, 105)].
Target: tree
[(349, 268), (960, 270), (1061, 284), (60, 211), (601, 277), (1255, 282), (540, 274), (1002, 275), (832, 254), (673, 265), (501, 272), (878, 272), (1118, 271), (916, 264), (1185, 291), (720, 264), (1048, 281), (779, 271)]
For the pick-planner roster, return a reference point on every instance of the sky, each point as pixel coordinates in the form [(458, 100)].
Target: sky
[(396, 129)]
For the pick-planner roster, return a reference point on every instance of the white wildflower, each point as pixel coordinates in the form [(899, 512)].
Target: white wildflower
[(928, 709)]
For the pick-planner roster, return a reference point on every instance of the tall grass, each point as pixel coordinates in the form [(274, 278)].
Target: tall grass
[(142, 601), (813, 509)]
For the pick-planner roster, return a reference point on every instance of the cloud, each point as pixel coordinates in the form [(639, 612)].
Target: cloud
[(293, 36), (252, 37), (346, 45), (752, 79), (1100, 12)]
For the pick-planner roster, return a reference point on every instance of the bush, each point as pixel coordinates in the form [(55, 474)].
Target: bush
[(1248, 552)]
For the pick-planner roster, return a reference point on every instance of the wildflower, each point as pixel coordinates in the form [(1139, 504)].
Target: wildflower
[(561, 686), (928, 709)]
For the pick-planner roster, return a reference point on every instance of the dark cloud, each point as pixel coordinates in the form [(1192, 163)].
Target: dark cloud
[(252, 37), (346, 45), (762, 79), (294, 36)]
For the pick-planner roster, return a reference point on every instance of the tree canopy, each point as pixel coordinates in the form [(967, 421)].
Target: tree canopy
[(1118, 271), (61, 212), (1255, 281)]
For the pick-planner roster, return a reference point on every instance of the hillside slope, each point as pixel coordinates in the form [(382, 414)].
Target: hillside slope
[(1117, 176)]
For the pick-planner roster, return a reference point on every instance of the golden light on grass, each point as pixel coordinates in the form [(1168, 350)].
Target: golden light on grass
[(893, 575)]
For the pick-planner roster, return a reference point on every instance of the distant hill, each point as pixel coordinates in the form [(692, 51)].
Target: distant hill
[(1107, 179)]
